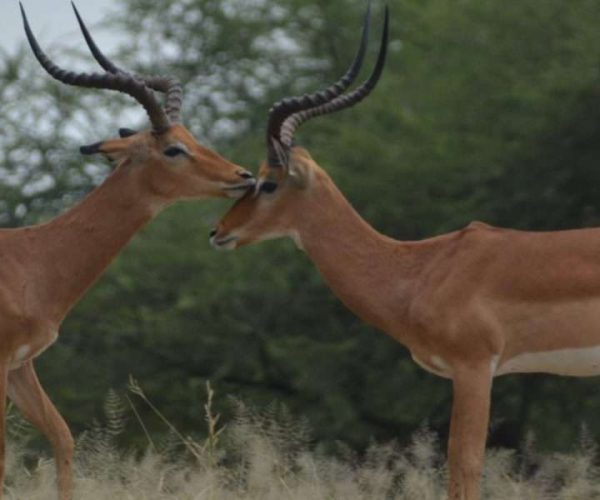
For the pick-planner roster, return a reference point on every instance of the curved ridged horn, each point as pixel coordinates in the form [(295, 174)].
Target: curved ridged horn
[(291, 123), (170, 86), (122, 82), (283, 109)]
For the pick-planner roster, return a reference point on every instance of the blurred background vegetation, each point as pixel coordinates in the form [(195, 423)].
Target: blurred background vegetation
[(487, 110)]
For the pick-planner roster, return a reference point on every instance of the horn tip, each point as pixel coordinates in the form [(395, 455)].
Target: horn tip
[(28, 32), (75, 9)]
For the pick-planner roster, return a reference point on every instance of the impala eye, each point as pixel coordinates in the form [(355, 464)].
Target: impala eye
[(173, 151), (126, 132), (268, 186)]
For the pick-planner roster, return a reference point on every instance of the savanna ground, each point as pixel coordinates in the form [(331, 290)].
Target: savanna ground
[(268, 456)]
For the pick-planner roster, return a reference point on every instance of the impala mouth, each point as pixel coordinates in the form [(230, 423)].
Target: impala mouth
[(239, 190), (226, 242)]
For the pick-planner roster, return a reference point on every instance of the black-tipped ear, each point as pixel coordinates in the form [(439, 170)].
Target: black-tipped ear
[(90, 149), (126, 132)]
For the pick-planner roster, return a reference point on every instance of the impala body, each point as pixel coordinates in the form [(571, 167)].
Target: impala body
[(531, 299), (46, 268), (469, 305)]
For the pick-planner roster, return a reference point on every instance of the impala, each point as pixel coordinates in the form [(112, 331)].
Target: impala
[(469, 305), (46, 268)]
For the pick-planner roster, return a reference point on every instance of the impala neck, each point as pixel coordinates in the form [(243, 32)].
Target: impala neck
[(354, 259), (79, 244)]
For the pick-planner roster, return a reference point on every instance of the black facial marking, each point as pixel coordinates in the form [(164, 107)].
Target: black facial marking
[(90, 149), (126, 132)]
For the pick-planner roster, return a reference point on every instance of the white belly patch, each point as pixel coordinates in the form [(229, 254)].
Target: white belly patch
[(582, 362), (437, 366)]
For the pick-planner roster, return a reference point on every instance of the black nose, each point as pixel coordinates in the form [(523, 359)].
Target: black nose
[(212, 233), (244, 174)]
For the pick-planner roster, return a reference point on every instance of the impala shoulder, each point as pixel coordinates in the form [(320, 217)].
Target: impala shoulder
[(478, 226), (456, 261), (481, 232)]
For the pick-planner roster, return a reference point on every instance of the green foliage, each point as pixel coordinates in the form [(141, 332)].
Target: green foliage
[(487, 110)]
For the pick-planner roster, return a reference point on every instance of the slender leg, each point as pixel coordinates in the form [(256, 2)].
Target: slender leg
[(25, 391), (468, 431)]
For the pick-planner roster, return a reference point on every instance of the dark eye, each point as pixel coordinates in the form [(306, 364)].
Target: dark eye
[(268, 186), (126, 132), (173, 151)]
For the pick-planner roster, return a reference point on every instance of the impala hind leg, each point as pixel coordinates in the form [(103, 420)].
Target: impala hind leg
[(27, 394), (468, 431)]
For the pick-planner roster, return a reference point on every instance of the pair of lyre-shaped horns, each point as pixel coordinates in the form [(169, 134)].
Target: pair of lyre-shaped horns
[(288, 114), (284, 117), (141, 88)]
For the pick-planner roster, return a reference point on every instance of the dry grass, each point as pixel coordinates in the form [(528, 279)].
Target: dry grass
[(267, 457)]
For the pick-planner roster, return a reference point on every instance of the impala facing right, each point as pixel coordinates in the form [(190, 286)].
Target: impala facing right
[(469, 305)]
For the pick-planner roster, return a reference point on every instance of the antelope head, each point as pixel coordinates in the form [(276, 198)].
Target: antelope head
[(167, 159), (290, 183)]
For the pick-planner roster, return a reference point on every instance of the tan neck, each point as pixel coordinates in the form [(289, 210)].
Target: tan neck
[(353, 258), (72, 250)]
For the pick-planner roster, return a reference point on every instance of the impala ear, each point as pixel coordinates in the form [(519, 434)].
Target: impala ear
[(112, 149), (299, 173), (92, 149)]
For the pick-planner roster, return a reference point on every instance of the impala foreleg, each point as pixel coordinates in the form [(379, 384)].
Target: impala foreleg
[(468, 431), (25, 391)]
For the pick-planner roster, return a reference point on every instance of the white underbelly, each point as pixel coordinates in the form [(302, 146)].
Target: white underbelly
[(435, 365), (581, 362)]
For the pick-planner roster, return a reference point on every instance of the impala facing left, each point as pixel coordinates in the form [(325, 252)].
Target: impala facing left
[(469, 305)]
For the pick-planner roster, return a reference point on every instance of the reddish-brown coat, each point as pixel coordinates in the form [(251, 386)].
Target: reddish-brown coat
[(463, 303), (48, 267)]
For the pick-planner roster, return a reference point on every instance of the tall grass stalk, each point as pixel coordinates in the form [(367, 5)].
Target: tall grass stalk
[(268, 455)]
